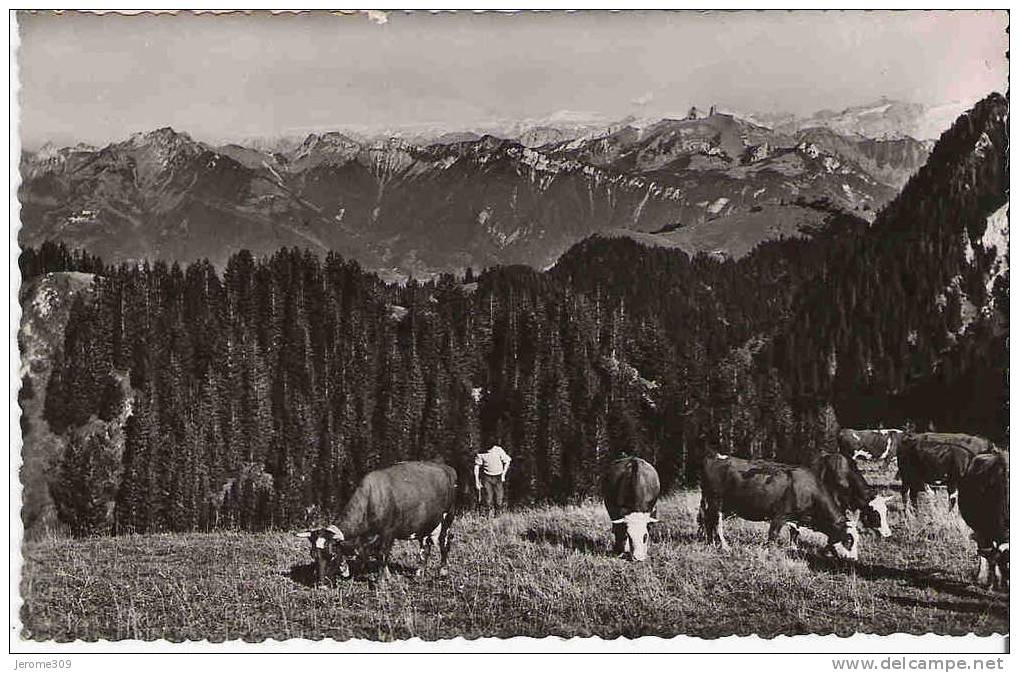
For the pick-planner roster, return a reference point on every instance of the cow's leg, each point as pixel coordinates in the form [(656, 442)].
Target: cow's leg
[(775, 529), (444, 541), (794, 533), (427, 543), (910, 498), (718, 530), (985, 567), (619, 543), (708, 520), (710, 516), (1001, 572), (424, 551), (983, 577), (385, 549), (953, 495)]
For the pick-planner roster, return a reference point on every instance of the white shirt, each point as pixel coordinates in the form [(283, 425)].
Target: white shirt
[(495, 461)]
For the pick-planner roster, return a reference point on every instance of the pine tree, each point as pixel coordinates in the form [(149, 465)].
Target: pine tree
[(81, 483)]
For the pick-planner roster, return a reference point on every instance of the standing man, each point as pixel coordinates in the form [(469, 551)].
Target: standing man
[(490, 469)]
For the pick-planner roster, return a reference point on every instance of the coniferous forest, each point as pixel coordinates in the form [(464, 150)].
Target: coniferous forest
[(257, 395)]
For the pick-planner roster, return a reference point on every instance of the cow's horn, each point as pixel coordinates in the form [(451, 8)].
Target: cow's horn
[(618, 520), (337, 533), (652, 520), (306, 533)]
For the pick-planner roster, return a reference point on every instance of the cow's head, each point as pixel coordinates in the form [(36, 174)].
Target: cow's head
[(636, 532), (875, 515), (328, 549), (846, 539)]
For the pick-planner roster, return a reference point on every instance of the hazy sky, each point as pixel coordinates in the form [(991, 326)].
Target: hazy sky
[(99, 78)]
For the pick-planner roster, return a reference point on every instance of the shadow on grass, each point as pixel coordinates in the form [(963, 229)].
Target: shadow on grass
[(581, 542), (593, 543), (987, 607), (922, 578), (306, 574), (666, 534)]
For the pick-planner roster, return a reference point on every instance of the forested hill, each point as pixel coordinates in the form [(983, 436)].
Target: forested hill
[(260, 395), (893, 323), (912, 319)]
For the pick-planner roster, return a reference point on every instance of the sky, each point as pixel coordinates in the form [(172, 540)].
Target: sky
[(97, 78)]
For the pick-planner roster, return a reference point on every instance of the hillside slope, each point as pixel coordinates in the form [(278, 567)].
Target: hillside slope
[(45, 307), (915, 313)]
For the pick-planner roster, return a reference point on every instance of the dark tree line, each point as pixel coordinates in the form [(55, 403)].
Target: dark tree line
[(258, 396)]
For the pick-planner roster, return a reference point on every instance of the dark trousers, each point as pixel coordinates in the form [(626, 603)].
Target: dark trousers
[(492, 491)]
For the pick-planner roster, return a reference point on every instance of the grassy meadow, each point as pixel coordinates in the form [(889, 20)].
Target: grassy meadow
[(536, 572)]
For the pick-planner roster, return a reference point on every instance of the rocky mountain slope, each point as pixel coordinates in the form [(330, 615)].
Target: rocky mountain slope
[(45, 307), (402, 208), (915, 313)]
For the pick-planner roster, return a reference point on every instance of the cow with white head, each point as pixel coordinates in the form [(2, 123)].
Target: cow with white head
[(412, 500), (630, 488), (782, 494), (325, 552)]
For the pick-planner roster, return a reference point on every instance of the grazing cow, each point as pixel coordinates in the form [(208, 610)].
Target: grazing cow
[(407, 501), (879, 445), (983, 504), (936, 458), (850, 490), (761, 490), (630, 488)]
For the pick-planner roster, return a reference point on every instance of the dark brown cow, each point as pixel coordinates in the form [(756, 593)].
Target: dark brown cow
[(932, 458), (630, 488), (408, 501), (761, 490), (849, 489), (880, 445), (983, 504)]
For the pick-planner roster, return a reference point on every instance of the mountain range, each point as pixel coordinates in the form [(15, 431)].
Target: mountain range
[(423, 204)]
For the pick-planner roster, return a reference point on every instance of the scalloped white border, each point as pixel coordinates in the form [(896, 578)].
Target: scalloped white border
[(823, 648)]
